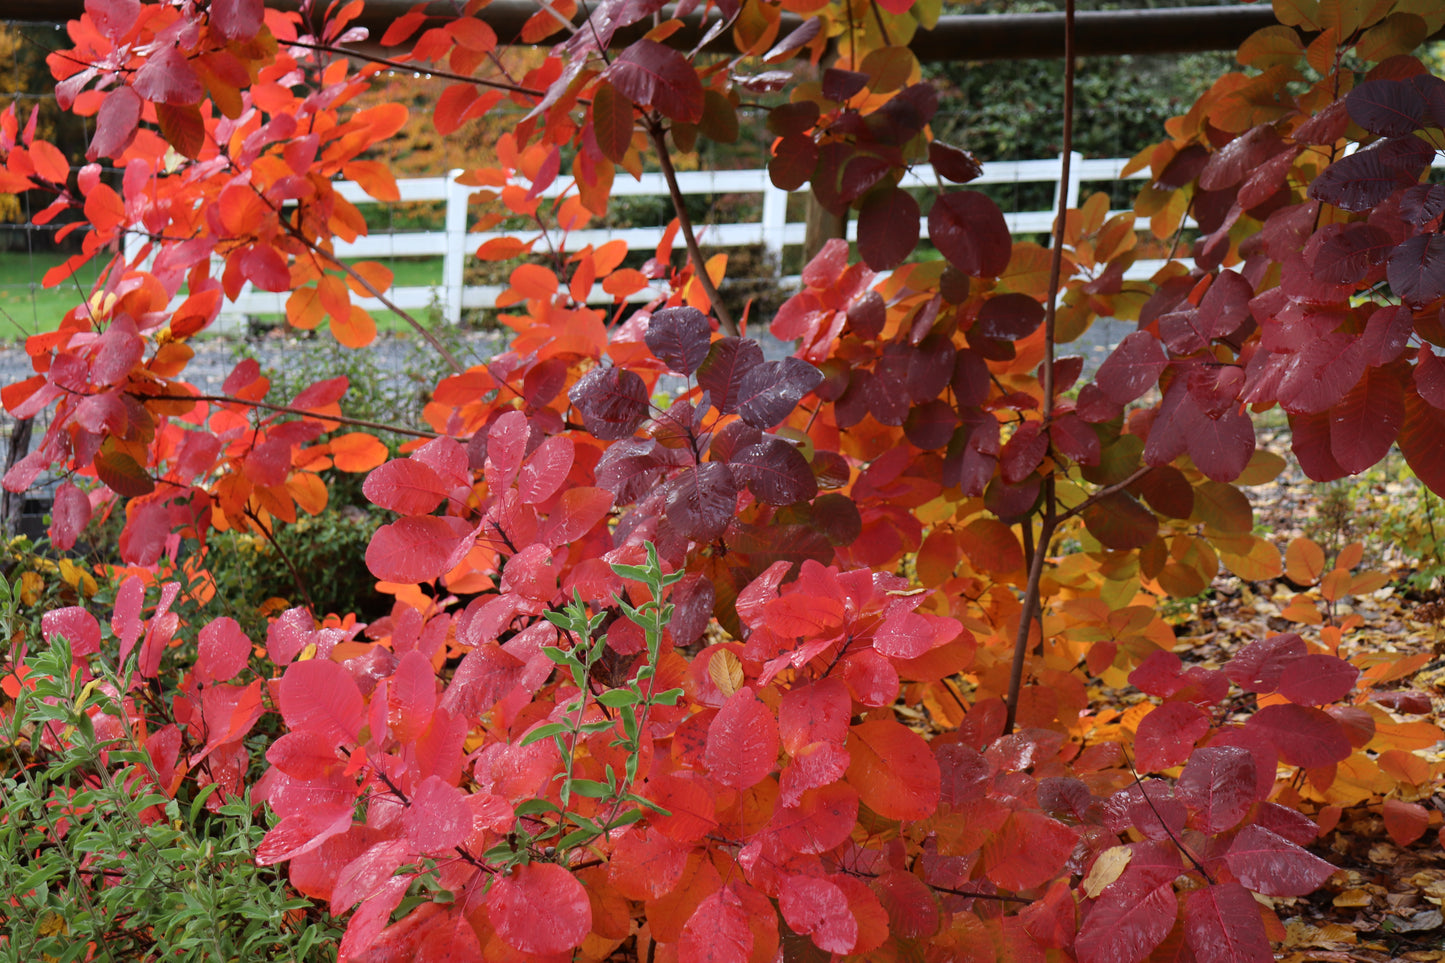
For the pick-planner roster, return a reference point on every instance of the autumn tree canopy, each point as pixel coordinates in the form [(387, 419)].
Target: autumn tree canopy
[(640, 688)]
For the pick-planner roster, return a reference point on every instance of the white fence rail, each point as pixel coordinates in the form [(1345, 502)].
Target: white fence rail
[(774, 231)]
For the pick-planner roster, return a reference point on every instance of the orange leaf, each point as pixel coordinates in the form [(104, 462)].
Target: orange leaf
[(529, 282), (1405, 822), (357, 331), (357, 451), (376, 274), (504, 249), (309, 491), (304, 309), (893, 770), (331, 291), (49, 162), (374, 177)]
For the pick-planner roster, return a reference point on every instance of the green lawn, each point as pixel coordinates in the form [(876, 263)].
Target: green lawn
[(26, 307)]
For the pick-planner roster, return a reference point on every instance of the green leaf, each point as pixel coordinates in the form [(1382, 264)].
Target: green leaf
[(532, 806), (591, 788), (668, 698), (544, 732), (617, 698)]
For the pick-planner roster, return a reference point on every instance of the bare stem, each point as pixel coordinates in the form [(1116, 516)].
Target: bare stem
[(287, 409), (417, 68), (694, 253), (1030, 611)]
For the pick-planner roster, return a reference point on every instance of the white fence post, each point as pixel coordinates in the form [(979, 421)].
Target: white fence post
[(455, 258), (775, 218)]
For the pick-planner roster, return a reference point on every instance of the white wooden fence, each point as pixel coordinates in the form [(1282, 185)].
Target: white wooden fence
[(774, 231)]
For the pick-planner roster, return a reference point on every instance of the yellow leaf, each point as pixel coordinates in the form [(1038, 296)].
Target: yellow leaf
[(1107, 868), (31, 585), (726, 671)]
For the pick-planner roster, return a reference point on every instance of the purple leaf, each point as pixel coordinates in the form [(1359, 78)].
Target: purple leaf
[(680, 337), (722, 371), (769, 392), (613, 402), (1416, 271), (775, 471), (1365, 178), (1389, 107), (888, 227), (1009, 317), (702, 501)]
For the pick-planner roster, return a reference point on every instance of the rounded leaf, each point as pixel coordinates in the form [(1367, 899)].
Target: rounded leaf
[(742, 741), (969, 230), (540, 908)]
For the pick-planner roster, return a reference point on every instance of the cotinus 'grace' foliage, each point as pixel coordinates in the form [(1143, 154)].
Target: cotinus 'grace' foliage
[(796, 656)]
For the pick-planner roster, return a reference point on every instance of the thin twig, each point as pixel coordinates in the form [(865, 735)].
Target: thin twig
[(694, 253), (1105, 492), (1031, 609), (288, 410), (290, 566), (418, 68)]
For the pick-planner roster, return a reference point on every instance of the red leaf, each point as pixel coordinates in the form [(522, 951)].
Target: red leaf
[(167, 78), (578, 511), (612, 122), (816, 711), (1270, 864), (540, 908), (822, 820), (911, 906), (1125, 924), (1167, 735), (742, 742), (125, 621), (115, 123), (1222, 925), (1304, 737), (1258, 666), (818, 908), (1366, 421), (69, 515), (1405, 822), (222, 650), (1028, 850), (405, 485), (649, 74), (1420, 442), (1218, 785), (717, 931), (418, 548), (237, 19), (893, 770), (1317, 679), (307, 755), (969, 230), (438, 818), (76, 626), (646, 864), (321, 695)]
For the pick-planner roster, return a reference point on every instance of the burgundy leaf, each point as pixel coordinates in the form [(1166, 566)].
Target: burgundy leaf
[(1218, 787), (1360, 181), (776, 472), (769, 392), (650, 74), (680, 337), (888, 228), (1317, 679), (1416, 270), (1132, 368), (702, 500), (1258, 666), (1009, 317), (631, 468), (722, 371), (1389, 107), (1346, 253), (612, 402), (953, 163), (1367, 420), (969, 230), (1270, 864)]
